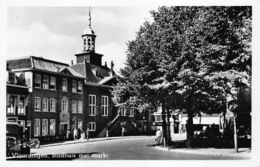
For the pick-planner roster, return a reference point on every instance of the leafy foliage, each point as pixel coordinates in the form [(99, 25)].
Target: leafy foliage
[(188, 57)]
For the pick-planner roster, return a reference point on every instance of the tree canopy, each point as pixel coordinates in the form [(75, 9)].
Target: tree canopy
[(188, 58)]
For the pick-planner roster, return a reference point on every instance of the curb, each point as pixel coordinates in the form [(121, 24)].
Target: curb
[(247, 155)]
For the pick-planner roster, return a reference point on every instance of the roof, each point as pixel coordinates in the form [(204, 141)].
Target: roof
[(19, 63), (87, 70), (39, 63)]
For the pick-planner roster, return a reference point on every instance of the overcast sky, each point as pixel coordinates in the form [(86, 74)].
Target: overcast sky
[(55, 32)]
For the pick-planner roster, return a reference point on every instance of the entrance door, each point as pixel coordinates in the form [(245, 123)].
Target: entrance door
[(63, 129)]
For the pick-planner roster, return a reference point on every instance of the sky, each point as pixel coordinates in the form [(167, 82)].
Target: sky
[(55, 32)]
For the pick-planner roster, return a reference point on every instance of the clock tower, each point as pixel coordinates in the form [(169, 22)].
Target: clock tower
[(88, 54), (89, 37)]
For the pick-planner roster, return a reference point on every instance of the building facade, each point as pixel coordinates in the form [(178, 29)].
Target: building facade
[(55, 100), (16, 99), (64, 97)]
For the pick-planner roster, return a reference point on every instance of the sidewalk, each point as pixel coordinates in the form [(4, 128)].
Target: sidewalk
[(84, 141), (242, 152)]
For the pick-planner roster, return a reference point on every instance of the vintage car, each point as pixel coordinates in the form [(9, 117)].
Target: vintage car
[(14, 140)]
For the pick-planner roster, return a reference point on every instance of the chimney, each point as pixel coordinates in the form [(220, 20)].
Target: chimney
[(112, 69)]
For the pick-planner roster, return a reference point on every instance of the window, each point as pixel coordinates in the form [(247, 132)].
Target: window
[(11, 78), (52, 105), (53, 83), (74, 106), (104, 103), (45, 82), (158, 118), (37, 83), (52, 127), (92, 126), (80, 87), (10, 109), (131, 112), (92, 104), (37, 127), (80, 124), (122, 111), (64, 85), (21, 106), (80, 107), (37, 104), (64, 105), (74, 86), (44, 104), (44, 127)]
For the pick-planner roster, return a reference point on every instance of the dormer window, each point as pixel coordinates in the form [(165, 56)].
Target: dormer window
[(95, 72)]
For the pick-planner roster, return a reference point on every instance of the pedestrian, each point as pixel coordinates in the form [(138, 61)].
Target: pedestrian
[(87, 133), (158, 136), (107, 133), (68, 134), (123, 131), (82, 136), (75, 133), (79, 133)]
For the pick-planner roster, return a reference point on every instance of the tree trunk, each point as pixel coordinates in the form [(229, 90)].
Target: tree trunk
[(168, 127), (190, 129), (164, 121)]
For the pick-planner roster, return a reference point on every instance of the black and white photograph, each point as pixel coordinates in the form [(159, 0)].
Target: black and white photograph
[(129, 84)]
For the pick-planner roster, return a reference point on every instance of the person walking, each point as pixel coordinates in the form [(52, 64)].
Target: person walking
[(87, 133), (79, 133), (68, 134), (75, 133), (123, 131), (82, 136), (107, 133)]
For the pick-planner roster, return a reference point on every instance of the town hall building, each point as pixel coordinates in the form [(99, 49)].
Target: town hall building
[(63, 97)]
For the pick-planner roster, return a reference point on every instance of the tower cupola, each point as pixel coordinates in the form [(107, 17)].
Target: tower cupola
[(89, 37)]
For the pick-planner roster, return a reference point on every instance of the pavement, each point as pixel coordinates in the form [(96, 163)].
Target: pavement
[(242, 152)]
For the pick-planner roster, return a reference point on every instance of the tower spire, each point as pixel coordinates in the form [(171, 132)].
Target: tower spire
[(89, 17)]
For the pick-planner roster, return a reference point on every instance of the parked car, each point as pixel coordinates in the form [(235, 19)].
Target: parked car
[(14, 140)]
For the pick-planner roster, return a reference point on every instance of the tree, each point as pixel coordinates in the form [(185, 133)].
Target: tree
[(189, 57)]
